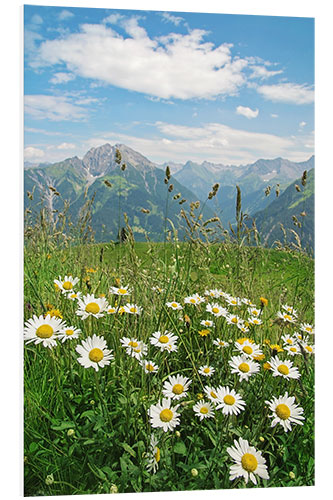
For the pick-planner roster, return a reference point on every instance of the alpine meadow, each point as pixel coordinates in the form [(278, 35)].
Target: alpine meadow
[(168, 304)]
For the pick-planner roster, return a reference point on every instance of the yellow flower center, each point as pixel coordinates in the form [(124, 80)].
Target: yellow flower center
[(92, 308), (249, 462), (221, 343), (164, 339), (229, 400), (204, 410), (255, 313), (293, 349), (283, 369), (308, 328), (308, 348), (282, 411), (213, 394), (244, 367), (287, 317), (166, 415), (73, 295), (122, 291), (234, 320), (67, 285), (247, 349), (133, 309), (111, 310), (174, 304), (96, 355), (149, 367), (157, 454), (267, 366), (255, 321), (206, 370), (44, 331), (233, 302), (215, 310), (133, 344), (177, 389), (289, 341), (69, 332), (193, 301)]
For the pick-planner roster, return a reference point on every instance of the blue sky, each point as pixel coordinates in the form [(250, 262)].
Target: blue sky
[(174, 86)]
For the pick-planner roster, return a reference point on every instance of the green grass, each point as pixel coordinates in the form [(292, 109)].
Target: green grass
[(91, 431)]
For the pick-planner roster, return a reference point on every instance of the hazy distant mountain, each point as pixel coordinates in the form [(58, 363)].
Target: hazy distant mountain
[(281, 210), (140, 185)]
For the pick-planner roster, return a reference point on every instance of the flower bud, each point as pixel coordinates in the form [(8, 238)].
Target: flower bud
[(49, 479), (114, 488), (194, 472)]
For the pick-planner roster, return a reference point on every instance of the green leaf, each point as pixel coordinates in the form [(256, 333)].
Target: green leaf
[(33, 447), (62, 426), (128, 449), (180, 448)]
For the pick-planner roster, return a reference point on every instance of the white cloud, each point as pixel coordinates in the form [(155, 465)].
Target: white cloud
[(302, 124), (287, 92), (247, 112), (55, 108), (263, 73), (274, 115), (33, 154), (65, 14), (66, 146), (169, 18), (36, 19), (176, 66), (62, 78), (113, 19)]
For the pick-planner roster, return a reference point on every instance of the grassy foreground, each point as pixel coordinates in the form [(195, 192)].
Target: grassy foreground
[(89, 431)]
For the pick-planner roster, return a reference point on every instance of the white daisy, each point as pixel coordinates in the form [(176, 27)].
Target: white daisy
[(138, 351), (247, 302), (216, 310), (233, 301), (149, 366), (153, 456), (233, 319), (43, 330), (174, 305), (206, 370), (215, 294), (203, 410), (254, 311), (194, 299), (243, 366), (288, 318), (307, 328), (299, 337), (122, 291), (220, 343), (163, 415), (211, 393), (133, 309), (207, 322), (290, 310), (283, 369), (248, 348), (176, 387), (248, 462), (254, 321), (285, 412), (243, 328), (67, 284), (165, 341), (292, 349), (288, 339), (68, 333), (94, 352), (111, 310), (229, 401), (310, 349), (90, 305), (73, 296)]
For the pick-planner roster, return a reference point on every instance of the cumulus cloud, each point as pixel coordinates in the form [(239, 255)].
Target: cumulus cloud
[(177, 66), (64, 15), (66, 146), (170, 18), (54, 108), (247, 112), (263, 73), (292, 93), (33, 154), (59, 78)]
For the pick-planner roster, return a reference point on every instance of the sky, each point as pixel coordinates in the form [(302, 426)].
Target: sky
[(175, 86)]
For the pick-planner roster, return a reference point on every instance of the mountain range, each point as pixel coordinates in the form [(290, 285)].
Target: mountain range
[(141, 186)]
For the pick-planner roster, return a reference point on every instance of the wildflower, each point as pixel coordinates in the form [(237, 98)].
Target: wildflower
[(288, 340), (157, 289), (154, 455), (206, 370), (91, 270), (286, 317), (267, 366), (275, 348), (207, 322), (259, 357), (166, 341), (284, 368), (133, 309), (204, 332), (74, 296), (215, 294), (211, 393), (285, 412), (149, 366), (49, 480), (233, 301), (176, 387), (194, 472), (248, 462), (292, 475), (292, 349), (111, 310), (307, 328), (42, 330), (114, 488), (54, 313), (229, 401), (255, 321), (194, 299), (290, 310), (310, 349), (263, 301), (254, 311), (233, 319), (70, 432), (90, 305), (174, 305), (69, 332), (248, 348), (203, 410), (220, 343), (94, 353), (216, 310), (163, 415), (243, 366), (67, 284), (123, 290)]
